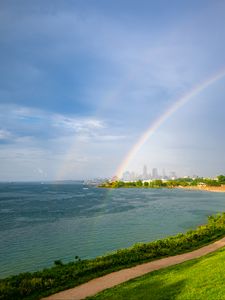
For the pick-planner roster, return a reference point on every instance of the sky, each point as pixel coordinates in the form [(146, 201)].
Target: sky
[(81, 81)]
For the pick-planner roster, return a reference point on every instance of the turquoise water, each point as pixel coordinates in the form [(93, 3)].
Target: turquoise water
[(40, 223)]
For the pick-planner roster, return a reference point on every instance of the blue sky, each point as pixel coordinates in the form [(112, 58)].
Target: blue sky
[(82, 80)]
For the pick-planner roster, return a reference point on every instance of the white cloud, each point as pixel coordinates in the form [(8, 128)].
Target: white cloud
[(5, 134), (77, 125), (30, 123)]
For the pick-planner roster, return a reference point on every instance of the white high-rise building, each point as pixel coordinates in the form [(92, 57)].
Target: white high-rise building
[(155, 174), (145, 173)]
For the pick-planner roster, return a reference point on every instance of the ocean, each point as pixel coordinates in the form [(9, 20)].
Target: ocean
[(41, 223)]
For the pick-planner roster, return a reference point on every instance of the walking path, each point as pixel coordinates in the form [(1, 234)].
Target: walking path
[(97, 285)]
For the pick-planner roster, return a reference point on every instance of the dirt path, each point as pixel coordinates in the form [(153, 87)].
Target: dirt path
[(99, 284)]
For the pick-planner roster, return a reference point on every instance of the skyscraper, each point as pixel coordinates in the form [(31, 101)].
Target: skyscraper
[(145, 173), (155, 174)]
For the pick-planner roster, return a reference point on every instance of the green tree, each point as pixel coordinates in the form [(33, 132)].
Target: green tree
[(139, 183), (221, 179), (159, 183)]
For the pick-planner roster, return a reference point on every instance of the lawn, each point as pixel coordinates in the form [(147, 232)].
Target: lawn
[(198, 279)]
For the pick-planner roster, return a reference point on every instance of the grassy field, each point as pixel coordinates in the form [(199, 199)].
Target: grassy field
[(199, 279)]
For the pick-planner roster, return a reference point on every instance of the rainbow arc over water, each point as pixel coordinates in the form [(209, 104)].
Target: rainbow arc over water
[(168, 113)]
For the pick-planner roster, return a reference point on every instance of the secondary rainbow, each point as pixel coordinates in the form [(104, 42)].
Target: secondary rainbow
[(158, 122)]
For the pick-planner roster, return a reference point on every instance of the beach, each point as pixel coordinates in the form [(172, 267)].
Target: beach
[(217, 189)]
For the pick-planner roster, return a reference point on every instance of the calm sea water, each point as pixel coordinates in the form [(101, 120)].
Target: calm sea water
[(40, 223)]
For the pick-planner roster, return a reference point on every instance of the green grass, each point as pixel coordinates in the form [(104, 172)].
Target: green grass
[(34, 286), (198, 279)]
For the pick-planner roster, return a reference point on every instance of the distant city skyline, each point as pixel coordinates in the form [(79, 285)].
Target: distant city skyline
[(147, 174), (92, 87)]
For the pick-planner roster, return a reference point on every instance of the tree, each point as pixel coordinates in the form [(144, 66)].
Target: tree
[(158, 183), (139, 183), (221, 179)]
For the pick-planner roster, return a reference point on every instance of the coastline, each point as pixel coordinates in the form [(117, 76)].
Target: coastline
[(113, 279), (214, 189), (69, 275)]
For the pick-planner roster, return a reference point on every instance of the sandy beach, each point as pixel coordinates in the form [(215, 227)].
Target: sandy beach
[(217, 189)]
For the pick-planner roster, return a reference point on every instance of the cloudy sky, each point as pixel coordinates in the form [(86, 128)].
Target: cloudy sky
[(80, 81)]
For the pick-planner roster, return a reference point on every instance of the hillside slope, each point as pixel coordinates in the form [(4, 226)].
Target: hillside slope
[(201, 278)]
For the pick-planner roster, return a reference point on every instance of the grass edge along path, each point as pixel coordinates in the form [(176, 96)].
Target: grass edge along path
[(200, 278), (110, 280), (61, 277)]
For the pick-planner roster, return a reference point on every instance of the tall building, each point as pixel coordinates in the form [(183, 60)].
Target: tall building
[(145, 173), (155, 174)]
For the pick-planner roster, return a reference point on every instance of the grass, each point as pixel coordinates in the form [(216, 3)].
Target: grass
[(60, 277), (198, 279)]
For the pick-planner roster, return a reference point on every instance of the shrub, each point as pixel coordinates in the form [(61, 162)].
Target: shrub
[(58, 262)]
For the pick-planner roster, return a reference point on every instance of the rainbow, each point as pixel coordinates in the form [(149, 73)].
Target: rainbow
[(158, 122)]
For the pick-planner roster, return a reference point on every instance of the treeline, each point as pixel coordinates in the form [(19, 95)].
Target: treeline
[(158, 183), (63, 276)]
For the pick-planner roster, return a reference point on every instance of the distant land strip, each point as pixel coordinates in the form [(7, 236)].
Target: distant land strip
[(206, 184)]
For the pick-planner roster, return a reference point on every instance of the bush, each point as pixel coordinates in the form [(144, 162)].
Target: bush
[(58, 262)]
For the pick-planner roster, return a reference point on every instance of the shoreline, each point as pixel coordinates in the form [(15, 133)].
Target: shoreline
[(81, 271), (214, 189), (113, 279), (71, 276)]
